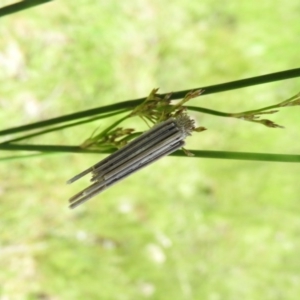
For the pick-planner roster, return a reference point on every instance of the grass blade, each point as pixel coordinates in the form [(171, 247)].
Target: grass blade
[(16, 7), (130, 104), (197, 153)]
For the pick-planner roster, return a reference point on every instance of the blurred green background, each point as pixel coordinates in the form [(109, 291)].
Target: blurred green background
[(183, 228)]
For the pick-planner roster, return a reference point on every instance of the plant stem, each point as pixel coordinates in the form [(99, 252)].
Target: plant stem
[(130, 104), (16, 7), (61, 127), (197, 153), (107, 130), (208, 111), (22, 156)]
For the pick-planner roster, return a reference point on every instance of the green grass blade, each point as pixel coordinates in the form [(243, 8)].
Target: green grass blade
[(22, 156), (238, 84), (251, 156), (197, 153), (208, 111), (130, 104), (61, 127), (16, 7), (67, 118)]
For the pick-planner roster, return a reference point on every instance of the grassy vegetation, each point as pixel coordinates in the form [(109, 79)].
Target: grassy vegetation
[(183, 228)]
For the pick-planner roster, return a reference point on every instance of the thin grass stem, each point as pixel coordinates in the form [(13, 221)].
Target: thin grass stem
[(19, 6), (61, 127), (197, 153), (130, 104)]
